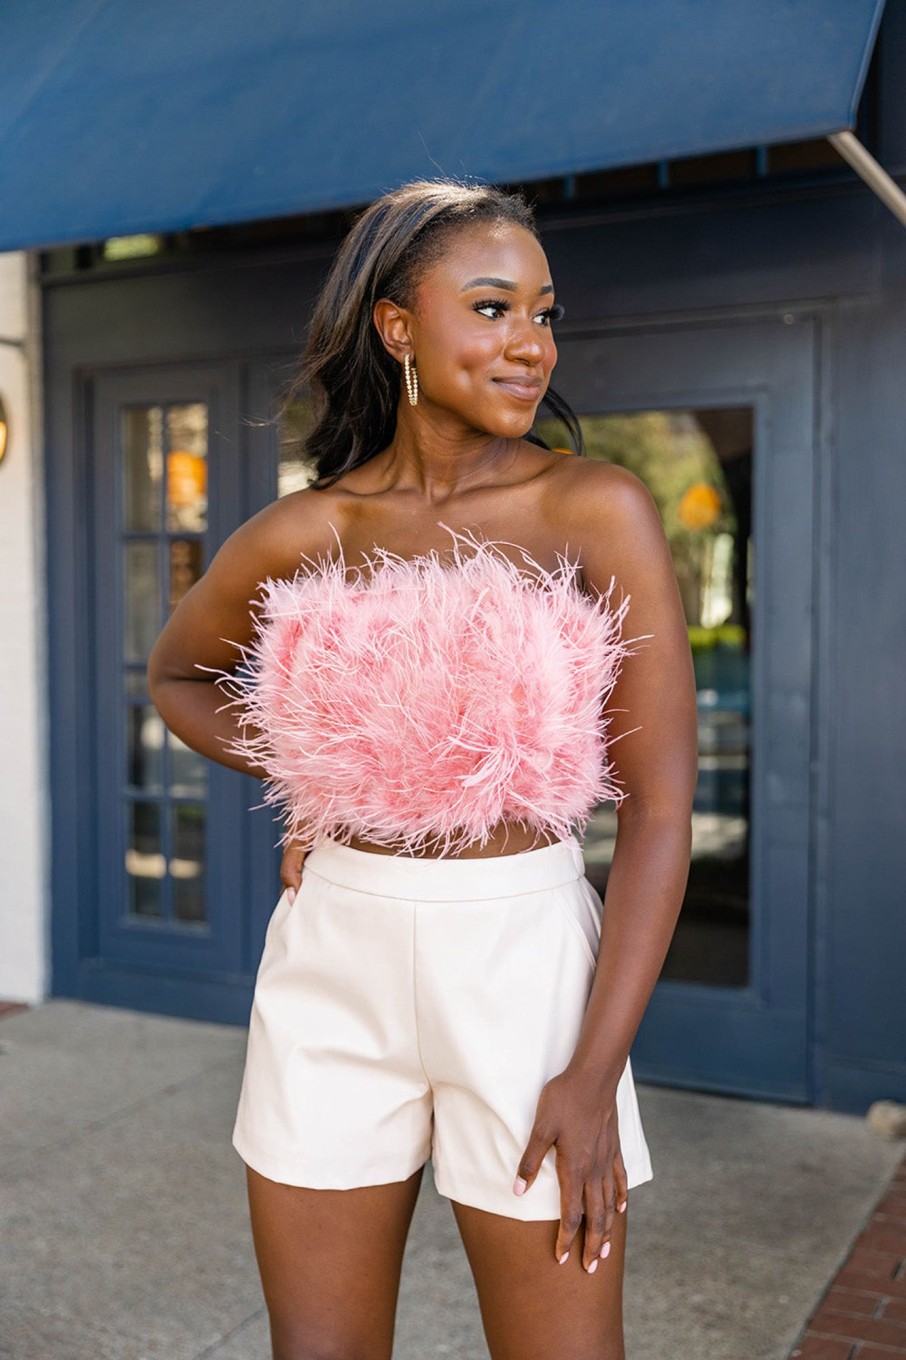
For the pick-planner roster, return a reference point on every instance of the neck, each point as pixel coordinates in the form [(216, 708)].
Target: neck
[(438, 463)]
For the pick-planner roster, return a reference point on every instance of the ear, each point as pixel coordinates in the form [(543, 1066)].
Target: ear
[(392, 324)]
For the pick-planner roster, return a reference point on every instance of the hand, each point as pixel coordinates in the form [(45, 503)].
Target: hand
[(582, 1124), (291, 869)]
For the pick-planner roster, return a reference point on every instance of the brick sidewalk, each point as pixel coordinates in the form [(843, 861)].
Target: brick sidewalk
[(863, 1314)]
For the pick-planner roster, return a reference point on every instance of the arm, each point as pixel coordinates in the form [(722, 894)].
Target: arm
[(217, 611), (656, 759), (653, 731)]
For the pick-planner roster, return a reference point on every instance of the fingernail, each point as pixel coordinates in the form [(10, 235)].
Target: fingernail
[(593, 1267), (291, 895), (519, 1186), (621, 1208), (564, 1257), (605, 1250)]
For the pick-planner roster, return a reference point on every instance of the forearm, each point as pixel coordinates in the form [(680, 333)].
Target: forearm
[(189, 709), (644, 895)]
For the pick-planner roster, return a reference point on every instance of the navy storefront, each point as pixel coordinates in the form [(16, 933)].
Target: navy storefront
[(734, 333)]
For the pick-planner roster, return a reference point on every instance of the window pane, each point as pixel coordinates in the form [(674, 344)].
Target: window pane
[(141, 600), (145, 737), (187, 862), (143, 465), (698, 466), (293, 471), (187, 467), (186, 566), (188, 770), (145, 864), (135, 684)]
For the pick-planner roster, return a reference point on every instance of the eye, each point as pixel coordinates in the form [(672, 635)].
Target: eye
[(491, 305), (552, 313)]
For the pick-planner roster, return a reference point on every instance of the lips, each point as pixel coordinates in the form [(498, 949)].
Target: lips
[(523, 389)]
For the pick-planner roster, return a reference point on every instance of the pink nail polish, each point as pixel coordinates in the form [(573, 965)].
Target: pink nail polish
[(605, 1250), (593, 1267), (564, 1257), (519, 1186), (291, 895)]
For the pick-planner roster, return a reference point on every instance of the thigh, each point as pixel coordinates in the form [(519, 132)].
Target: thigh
[(532, 1308), (330, 1263)]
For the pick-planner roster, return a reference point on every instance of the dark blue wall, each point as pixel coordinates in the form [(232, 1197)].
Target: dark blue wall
[(864, 887)]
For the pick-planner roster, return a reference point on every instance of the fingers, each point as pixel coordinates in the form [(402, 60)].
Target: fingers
[(531, 1160), (291, 870), (622, 1183), (596, 1227), (570, 1218)]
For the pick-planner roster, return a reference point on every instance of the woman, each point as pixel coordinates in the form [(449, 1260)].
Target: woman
[(436, 978)]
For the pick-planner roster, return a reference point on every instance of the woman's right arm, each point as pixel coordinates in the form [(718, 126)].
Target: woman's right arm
[(217, 610)]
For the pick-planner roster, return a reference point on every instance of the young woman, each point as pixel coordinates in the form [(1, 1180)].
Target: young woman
[(441, 655)]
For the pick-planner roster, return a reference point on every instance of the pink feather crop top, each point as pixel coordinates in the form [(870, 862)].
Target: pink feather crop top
[(420, 704)]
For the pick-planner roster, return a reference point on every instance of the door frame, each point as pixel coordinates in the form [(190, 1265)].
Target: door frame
[(98, 956), (755, 1040)]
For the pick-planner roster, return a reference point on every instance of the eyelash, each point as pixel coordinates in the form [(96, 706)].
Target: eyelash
[(552, 313)]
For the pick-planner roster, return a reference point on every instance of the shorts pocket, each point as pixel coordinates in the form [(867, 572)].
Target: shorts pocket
[(580, 906)]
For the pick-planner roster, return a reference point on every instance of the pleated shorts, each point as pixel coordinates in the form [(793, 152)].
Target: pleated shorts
[(409, 1008)]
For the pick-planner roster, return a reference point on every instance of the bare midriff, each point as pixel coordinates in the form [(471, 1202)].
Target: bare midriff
[(506, 838)]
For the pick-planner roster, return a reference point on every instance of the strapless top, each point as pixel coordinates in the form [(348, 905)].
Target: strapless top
[(420, 703)]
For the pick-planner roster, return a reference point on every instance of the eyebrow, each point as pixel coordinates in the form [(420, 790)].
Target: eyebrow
[(506, 285)]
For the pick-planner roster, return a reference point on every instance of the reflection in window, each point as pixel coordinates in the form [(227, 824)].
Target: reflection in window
[(187, 467), (186, 566), (164, 518), (294, 471), (697, 465), (145, 863)]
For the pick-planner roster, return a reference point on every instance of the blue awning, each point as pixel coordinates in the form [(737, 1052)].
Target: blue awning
[(119, 117)]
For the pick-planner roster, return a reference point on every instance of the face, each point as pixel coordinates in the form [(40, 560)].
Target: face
[(480, 332)]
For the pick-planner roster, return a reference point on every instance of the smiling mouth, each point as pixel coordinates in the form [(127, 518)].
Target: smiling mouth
[(523, 389)]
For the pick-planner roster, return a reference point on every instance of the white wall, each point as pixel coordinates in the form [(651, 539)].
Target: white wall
[(24, 816)]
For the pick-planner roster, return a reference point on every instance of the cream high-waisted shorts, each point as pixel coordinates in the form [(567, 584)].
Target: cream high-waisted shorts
[(409, 1007)]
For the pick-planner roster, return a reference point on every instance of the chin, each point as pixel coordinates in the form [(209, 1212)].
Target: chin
[(509, 428)]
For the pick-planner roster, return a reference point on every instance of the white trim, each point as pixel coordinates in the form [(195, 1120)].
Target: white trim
[(24, 790)]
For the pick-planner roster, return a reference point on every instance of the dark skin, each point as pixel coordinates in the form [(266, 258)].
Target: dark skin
[(330, 1260)]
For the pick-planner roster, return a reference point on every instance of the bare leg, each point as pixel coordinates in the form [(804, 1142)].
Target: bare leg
[(330, 1263), (533, 1308)]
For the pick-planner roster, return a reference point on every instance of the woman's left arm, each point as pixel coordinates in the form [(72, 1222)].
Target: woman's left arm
[(653, 713)]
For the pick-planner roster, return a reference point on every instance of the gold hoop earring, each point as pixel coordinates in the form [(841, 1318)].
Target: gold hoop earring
[(411, 379)]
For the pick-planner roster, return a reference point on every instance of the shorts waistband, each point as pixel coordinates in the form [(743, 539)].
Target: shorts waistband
[(446, 879)]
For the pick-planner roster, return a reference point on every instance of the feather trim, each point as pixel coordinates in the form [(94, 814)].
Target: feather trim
[(418, 704)]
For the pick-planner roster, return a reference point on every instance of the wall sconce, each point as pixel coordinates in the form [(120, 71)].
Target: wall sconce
[(4, 430)]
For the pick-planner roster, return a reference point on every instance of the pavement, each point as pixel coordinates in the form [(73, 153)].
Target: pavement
[(124, 1231)]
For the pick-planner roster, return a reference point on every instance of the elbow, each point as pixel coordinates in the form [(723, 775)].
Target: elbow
[(667, 810), (159, 678)]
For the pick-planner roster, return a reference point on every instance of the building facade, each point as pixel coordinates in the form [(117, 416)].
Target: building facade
[(738, 338)]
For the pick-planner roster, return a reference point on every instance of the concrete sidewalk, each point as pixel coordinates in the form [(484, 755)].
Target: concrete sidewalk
[(124, 1233)]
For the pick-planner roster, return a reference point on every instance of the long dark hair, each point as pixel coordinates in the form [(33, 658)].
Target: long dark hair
[(353, 382)]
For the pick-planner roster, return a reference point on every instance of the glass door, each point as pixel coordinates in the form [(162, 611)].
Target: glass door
[(717, 421), (698, 466), (170, 832)]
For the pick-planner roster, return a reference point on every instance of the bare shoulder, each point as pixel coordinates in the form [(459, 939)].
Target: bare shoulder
[(273, 542), (610, 487), (602, 509)]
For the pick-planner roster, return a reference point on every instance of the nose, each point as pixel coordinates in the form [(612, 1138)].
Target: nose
[(525, 341)]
